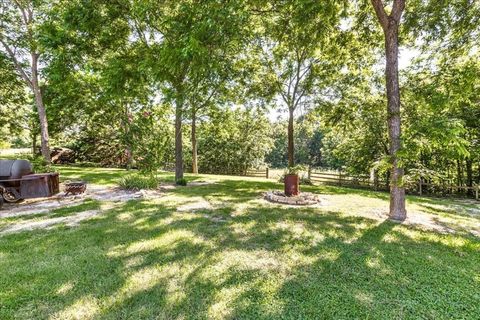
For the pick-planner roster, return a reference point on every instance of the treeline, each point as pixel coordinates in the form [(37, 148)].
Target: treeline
[(228, 141), (441, 125), (144, 83)]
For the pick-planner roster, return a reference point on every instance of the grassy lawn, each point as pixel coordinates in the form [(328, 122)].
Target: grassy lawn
[(236, 257)]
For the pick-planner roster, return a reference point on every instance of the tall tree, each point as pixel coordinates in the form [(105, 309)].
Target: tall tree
[(14, 105), (19, 41), (214, 88), (390, 23), (185, 41), (94, 79), (197, 103), (300, 40)]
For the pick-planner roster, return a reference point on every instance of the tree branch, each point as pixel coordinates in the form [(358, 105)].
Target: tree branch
[(397, 10), (381, 14), (205, 103), (22, 11), (17, 64), (297, 83)]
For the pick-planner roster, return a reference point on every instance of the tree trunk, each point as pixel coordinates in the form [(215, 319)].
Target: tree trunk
[(478, 178), (34, 144), (291, 149), (126, 139), (42, 114), (397, 191), (390, 25), (459, 174), (178, 138), (194, 143), (469, 168)]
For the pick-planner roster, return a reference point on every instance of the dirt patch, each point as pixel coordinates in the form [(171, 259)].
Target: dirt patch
[(303, 199), (48, 223), (44, 206), (172, 186), (459, 219)]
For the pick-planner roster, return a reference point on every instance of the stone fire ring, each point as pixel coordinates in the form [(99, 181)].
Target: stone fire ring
[(303, 199)]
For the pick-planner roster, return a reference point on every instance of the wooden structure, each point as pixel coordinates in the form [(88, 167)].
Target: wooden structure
[(364, 181), (445, 189), (261, 173), (342, 179)]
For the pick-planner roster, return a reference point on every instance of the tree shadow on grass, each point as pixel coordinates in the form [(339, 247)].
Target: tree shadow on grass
[(145, 260), (229, 191), (453, 210), (372, 278)]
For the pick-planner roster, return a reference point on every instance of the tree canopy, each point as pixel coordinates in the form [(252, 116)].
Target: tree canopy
[(219, 86)]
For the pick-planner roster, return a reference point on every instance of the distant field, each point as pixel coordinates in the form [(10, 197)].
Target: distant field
[(14, 152)]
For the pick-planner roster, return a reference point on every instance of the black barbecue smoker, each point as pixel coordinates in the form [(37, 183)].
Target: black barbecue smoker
[(18, 182)]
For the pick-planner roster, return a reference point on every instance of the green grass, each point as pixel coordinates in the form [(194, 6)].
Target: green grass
[(101, 176), (138, 181), (241, 258)]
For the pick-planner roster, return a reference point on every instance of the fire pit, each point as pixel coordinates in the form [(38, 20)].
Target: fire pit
[(302, 199), (75, 187)]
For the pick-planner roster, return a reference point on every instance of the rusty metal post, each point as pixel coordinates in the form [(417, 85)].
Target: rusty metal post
[(267, 172)]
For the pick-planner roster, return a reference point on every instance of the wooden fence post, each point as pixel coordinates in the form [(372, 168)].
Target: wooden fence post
[(340, 178), (309, 172), (420, 182), (267, 173), (477, 192)]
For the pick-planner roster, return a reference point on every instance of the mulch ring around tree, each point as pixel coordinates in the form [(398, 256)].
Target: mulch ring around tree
[(303, 199)]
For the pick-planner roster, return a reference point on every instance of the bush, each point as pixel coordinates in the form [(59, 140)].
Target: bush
[(181, 182), (232, 141), (294, 169), (138, 182), (304, 180), (40, 166)]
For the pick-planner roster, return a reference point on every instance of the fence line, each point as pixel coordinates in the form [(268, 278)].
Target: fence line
[(250, 172), (363, 181), (264, 173), (342, 179), (448, 188)]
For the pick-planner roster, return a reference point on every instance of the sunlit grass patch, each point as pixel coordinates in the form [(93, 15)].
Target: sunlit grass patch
[(83, 308), (88, 204), (41, 215), (227, 254)]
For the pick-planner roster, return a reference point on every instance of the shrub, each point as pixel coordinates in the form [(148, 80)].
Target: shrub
[(232, 141), (40, 166), (304, 180), (297, 169), (181, 182), (294, 169), (137, 182)]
